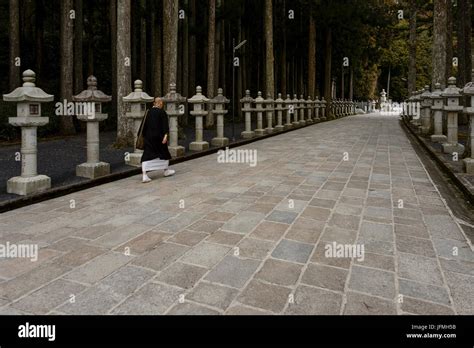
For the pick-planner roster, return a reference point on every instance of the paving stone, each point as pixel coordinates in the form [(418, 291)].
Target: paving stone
[(144, 243), (286, 217), (328, 194), (126, 279), (213, 295), (12, 267), (205, 254), (316, 213), (423, 291), (96, 300), (419, 268), (349, 222), (461, 287), (320, 257), (305, 230), (191, 309), (375, 231), (443, 227), (292, 251), (416, 246), (372, 281), (220, 216), (244, 310), (267, 230), (226, 238), (279, 272), (162, 256), (413, 231), (347, 209), (379, 202), (339, 235), (152, 299), (415, 306), (120, 236), (206, 226), (313, 301), (262, 208), (189, 238), (323, 203), (360, 304), (265, 296), (384, 262), (254, 248), (180, 222), (233, 271), (453, 249), (356, 201), (181, 275), (325, 277), (457, 266), (80, 255), (49, 296), (244, 222)]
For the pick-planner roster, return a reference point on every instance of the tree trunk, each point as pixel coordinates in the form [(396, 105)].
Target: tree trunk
[(170, 43), (124, 77), (156, 51), (186, 53), (439, 43), (211, 46), (14, 28), (449, 39), (192, 51), (78, 29), (351, 84), (312, 56), (464, 42), (412, 48), (143, 48), (39, 38), (270, 80), (113, 46), (66, 124), (327, 68)]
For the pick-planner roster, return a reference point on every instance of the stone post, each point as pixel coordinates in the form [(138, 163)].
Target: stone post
[(309, 106), (425, 111), (137, 101), (289, 110), (279, 110), (219, 110), (416, 112), (259, 108), (302, 107), (437, 107), (316, 109), (296, 111), (92, 100), (323, 104), (247, 109), (269, 111), (173, 102), (199, 111), (28, 110), (468, 91), (452, 107)]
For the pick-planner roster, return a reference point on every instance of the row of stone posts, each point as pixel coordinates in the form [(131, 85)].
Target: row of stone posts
[(430, 111)]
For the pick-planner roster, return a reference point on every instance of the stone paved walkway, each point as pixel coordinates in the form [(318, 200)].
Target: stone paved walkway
[(234, 239)]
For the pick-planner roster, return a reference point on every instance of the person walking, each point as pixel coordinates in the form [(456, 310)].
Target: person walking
[(155, 133)]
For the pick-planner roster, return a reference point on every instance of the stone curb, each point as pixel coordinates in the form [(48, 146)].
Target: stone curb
[(71, 188)]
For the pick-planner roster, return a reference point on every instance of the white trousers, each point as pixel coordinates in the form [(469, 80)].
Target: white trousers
[(156, 164)]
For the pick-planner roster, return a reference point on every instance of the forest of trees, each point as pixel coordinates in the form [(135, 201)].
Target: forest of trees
[(293, 46)]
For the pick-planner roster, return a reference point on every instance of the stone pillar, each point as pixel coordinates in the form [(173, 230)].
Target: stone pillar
[(437, 107), (199, 111), (279, 110), (28, 109), (468, 91), (317, 105), (425, 111), (302, 107), (296, 111), (323, 107), (173, 102), (452, 107), (289, 109), (247, 109), (92, 100), (219, 110), (309, 106), (416, 109), (269, 111), (259, 108)]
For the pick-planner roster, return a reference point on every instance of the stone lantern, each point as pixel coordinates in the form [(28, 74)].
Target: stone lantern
[(279, 110), (425, 111), (296, 111), (258, 107), (198, 100), (437, 107), (137, 100), (288, 102), (316, 109), (269, 111), (415, 109), (219, 110), (322, 107), (247, 109), (309, 104), (174, 101), (302, 102), (452, 107), (28, 110), (92, 100), (469, 92)]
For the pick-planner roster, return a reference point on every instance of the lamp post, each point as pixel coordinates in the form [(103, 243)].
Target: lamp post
[(234, 64)]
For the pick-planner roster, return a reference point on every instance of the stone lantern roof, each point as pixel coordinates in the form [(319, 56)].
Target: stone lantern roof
[(259, 98), (279, 99), (92, 94), (172, 96), (469, 88), (138, 96), (198, 97), (29, 91), (436, 94), (451, 91), (247, 98), (220, 98)]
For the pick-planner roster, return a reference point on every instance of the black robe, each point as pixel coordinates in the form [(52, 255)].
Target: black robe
[(154, 130)]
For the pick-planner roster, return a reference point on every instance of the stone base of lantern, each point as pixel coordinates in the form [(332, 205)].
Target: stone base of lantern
[(28, 185), (451, 148), (295, 124), (302, 123), (439, 138), (176, 151), (219, 142), (424, 130), (247, 134), (269, 130), (279, 128), (288, 126), (93, 170), (134, 159), (309, 121), (468, 164), (199, 146), (260, 132)]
